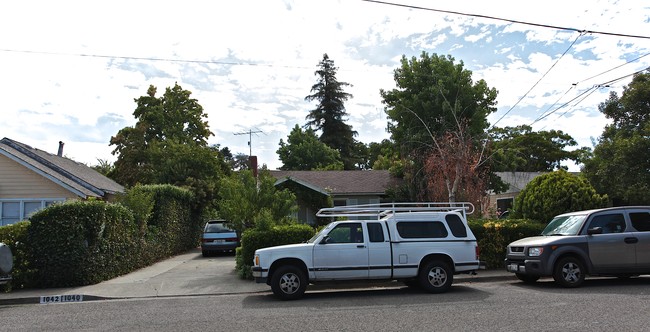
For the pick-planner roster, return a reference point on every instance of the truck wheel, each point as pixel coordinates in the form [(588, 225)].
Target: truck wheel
[(526, 278), (569, 272), (288, 282), (436, 277)]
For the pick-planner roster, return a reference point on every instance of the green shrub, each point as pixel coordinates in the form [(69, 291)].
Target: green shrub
[(555, 193), (493, 236), (254, 239), (15, 236)]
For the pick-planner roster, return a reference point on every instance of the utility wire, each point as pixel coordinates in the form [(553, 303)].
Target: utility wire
[(540, 79), (508, 20)]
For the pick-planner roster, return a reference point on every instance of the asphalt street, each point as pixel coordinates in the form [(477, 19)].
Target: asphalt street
[(190, 274)]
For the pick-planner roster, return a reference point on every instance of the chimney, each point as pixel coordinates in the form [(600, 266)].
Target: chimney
[(60, 153), (253, 163)]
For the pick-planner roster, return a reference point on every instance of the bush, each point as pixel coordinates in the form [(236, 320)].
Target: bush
[(555, 193), (254, 239), (15, 236), (493, 236)]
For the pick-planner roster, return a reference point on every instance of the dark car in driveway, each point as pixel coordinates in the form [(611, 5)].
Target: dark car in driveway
[(218, 237), (602, 242)]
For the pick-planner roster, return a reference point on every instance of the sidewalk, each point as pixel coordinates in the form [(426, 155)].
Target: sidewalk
[(188, 274)]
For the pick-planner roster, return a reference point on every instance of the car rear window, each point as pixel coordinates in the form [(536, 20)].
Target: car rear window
[(217, 228), (421, 229)]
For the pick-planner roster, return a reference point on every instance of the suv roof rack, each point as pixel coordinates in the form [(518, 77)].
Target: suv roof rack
[(381, 210)]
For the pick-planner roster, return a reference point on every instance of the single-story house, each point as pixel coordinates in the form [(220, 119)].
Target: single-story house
[(516, 181), (343, 187), (31, 179)]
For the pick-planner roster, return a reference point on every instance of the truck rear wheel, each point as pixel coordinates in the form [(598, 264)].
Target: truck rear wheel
[(436, 276), (288, 282)]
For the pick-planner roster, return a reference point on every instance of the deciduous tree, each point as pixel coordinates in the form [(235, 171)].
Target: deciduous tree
[(304, 152), (620, 166)]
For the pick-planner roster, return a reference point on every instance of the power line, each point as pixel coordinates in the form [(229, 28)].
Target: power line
[(508, 20), (540, 79)]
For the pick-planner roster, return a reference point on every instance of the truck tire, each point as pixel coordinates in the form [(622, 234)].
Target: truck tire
[(569, 272), (6, 259), (288, 282), (436, 276)]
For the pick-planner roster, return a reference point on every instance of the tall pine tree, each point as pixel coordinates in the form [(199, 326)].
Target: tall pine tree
[(328, 117)]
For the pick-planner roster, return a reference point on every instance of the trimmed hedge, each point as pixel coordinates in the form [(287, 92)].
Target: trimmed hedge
[(79, 243), (254, 239), (15, 236), (493, 237)]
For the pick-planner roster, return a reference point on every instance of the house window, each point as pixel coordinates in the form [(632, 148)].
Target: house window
[(504, 204), (15, 210)]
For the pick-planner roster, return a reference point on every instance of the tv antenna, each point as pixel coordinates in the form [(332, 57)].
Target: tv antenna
[(250, 133)]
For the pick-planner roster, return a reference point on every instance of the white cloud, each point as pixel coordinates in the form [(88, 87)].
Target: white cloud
[(252, 62)]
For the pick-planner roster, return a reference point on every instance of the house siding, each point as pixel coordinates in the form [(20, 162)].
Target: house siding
[(19, 182)]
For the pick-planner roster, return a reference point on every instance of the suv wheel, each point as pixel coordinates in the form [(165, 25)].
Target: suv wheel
[(436, 277), (288, 283), (526, 278), (569, 272)]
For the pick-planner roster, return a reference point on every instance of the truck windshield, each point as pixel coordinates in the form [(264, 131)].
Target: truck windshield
[(313, 238), (566, 225)]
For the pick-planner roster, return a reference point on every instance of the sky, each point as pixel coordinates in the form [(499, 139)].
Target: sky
[(72, 69)]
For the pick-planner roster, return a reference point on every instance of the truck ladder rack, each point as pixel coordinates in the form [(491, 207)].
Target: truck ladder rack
[(381, 210)]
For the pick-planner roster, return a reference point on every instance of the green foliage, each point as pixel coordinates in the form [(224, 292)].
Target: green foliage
[(555, 193), (243, 199), (80, 243), (620, 165), (329, 115), (141, 203), (435, 97), (309, 198), (520, 149), (253, 239), (16, 237), (168, 145), (304, 152), (493, 237), (84, 242)]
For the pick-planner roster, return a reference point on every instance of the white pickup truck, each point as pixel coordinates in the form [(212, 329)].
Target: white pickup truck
[(421, 244)]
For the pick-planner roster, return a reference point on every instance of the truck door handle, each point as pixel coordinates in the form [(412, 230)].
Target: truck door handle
[(631, 240), (361, 246)]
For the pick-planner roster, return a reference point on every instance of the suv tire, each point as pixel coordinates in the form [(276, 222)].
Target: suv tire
[(436, 276), (569, 272), (288, 282), (527, 278)]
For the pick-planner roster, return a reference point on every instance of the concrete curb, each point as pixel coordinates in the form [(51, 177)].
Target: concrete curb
[(32, 296)]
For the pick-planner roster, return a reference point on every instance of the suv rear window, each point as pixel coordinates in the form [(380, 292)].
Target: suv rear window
[(421, 229)]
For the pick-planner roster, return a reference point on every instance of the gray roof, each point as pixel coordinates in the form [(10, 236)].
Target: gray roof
[(517, 180), (340, 182), (76, 177)]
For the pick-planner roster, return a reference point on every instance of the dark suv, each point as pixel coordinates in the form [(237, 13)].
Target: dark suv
[(604, 242)]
